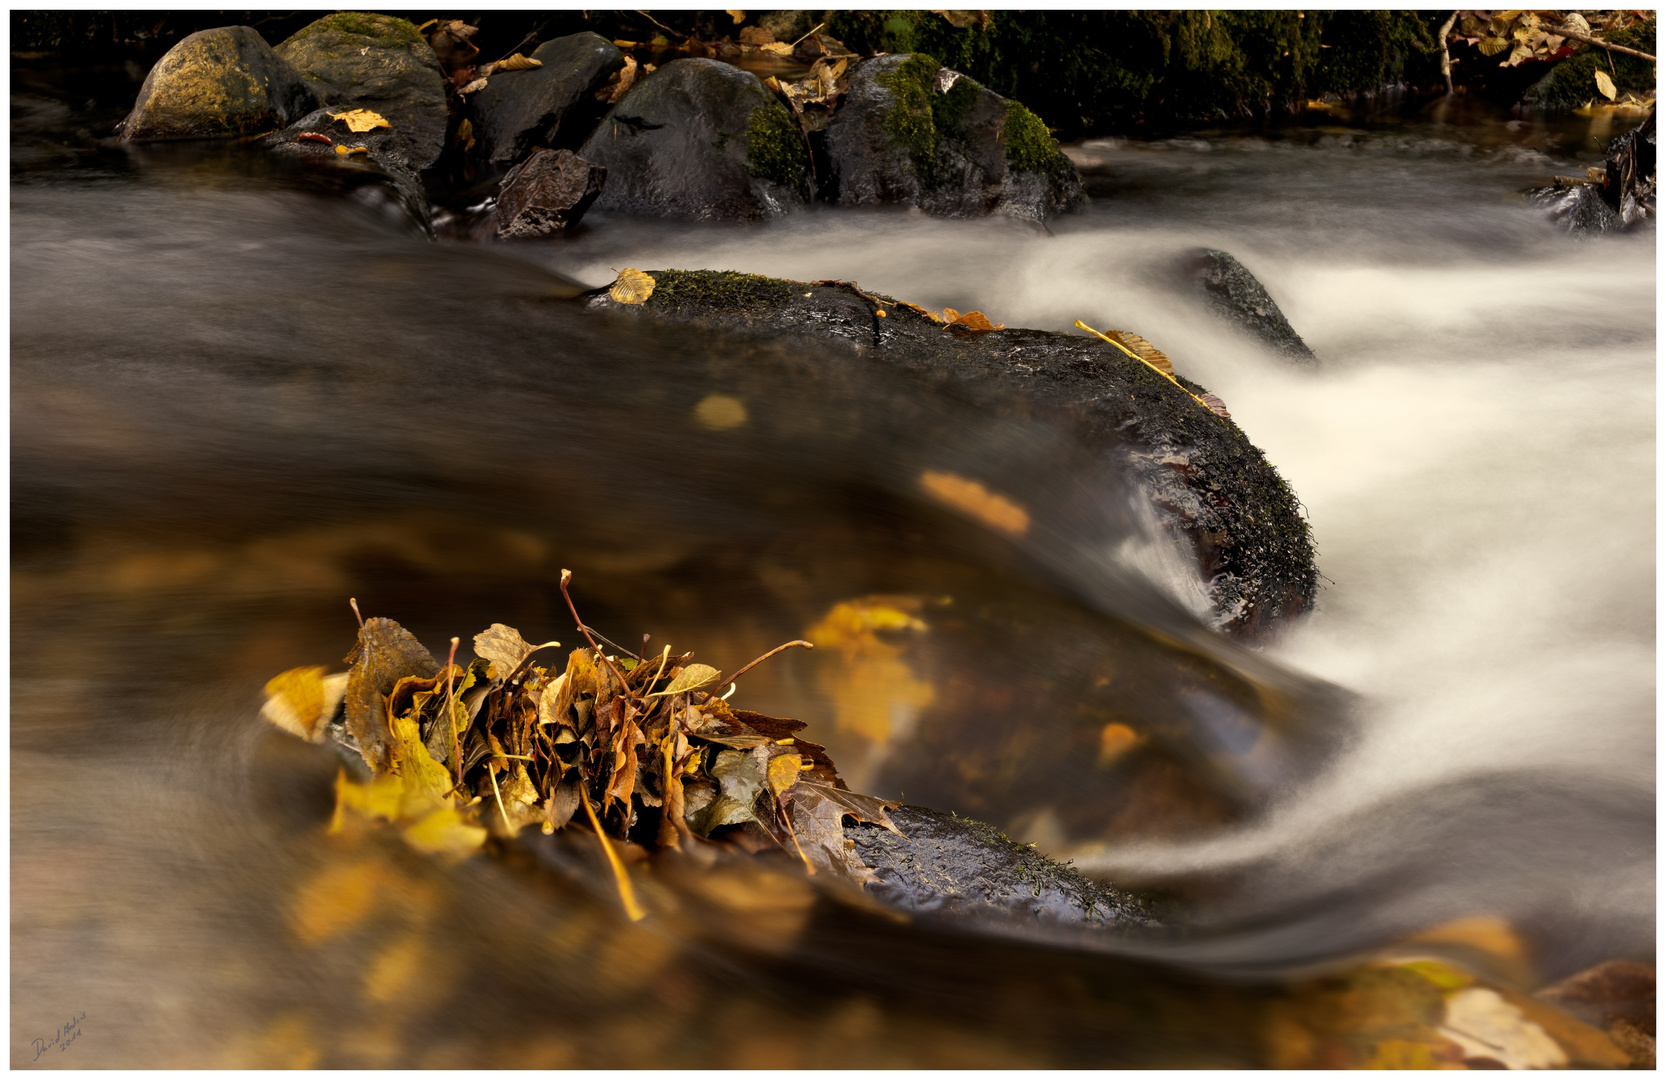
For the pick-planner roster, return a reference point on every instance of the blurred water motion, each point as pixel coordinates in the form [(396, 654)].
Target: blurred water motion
[(237, 401)]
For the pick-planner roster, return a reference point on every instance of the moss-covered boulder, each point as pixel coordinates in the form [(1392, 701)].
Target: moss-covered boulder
[(552, 107), (1199, 473), (216, 83), (909, 131), (701, 140), (1236, 295), (380, 63)]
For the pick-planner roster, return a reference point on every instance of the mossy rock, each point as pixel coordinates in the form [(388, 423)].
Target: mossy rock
[(700, 140), (1572, 82), (217, 83), (911, 132), (352, 60), (1199, 473)]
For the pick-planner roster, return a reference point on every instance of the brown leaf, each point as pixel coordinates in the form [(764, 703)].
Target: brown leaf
[(779, 48), (818, 812), (735, 14), (755, 35), (1144, 350), (385, 653), (741, 776), (621, 81), (517, 62), (504, 647), (972, 320), (960, 20)]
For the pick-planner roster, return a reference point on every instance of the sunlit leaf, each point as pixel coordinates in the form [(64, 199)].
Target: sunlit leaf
[(973, 499), (735, 14), (631, 287), (784, 772), (503, 646), (1605, 85), (1492, 46), (692, 677), (343, 150), (445, 832), (1487, 1026), (302, 700), (361, 120)]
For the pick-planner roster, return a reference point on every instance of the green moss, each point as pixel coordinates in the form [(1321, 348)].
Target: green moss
[(387, 29), (910, 121), (717, 290), (1572, 82), (775, 146), (1030, 147)]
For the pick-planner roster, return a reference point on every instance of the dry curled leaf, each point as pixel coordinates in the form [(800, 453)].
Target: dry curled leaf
[(517, 62), (361, 120), (975, 321), (631, 287), (779, 48), (621, 81), (473, 87), (504, 647)]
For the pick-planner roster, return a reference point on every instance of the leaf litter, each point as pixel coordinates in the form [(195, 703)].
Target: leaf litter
[(642, 750)]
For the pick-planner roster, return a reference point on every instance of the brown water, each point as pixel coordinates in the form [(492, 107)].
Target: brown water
[(241, 395)]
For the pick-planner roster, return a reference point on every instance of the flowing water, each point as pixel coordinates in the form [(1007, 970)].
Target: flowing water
[(242, 394)]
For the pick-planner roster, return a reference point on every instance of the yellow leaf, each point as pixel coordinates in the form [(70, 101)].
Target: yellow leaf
[(977, 501), (1492, 46), (631, 287), (692, 677), (335, 900), (1606, 85), (378, 798), (1144, 350), (445, 832), (738, 16), (516, 62), (416, 766), (1485, 1025), (465, 134), (779, 48), (784, 772), (361, 120), (1116, 740), (345, 151), (302, 700), (720, 412)]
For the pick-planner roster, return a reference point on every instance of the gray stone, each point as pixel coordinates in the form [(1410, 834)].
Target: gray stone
[(702, 140), (547, 194), (217, 83), (1235, 294), (380, 63), (554, 106), (910, 132)]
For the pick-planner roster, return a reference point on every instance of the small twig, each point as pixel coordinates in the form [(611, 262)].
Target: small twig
[(767, 655), (507, 824), (354, 604), (662, 26), (1589, 40), (794, 45), (451, 713), (566, 576), (1445, 51)]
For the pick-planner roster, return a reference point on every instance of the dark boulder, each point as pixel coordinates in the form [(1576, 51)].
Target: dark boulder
[(1235, 294), (547, 194), (554, 106), (909, 131), (381, 166), (1200, 474), (702, 140), (380, 63), (951, 868), (216, 83)]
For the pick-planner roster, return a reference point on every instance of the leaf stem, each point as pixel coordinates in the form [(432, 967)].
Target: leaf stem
[(767, 655), (627, 894)]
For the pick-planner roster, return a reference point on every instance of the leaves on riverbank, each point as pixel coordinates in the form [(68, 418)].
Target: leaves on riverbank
[(1538, 35), (360, 121), (643, 744)]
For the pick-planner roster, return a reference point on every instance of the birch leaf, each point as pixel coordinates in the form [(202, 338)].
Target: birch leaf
[(632, 287), (361, 120)]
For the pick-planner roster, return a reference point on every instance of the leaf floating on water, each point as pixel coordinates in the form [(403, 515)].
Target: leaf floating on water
[(465, 134), (302, 700), (361, 120), (445, 832), (631, 287), (720, 412), (1606, 85), (973, 499)]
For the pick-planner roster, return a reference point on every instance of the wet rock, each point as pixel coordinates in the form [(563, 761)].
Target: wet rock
[(376, 62), (702, 140), (382, 172), (547, 194), (553, 106), (215, 83), (1628, 183), (911, 132), (956, 869), (1203, 478), (1235, 294), (1616, 996)]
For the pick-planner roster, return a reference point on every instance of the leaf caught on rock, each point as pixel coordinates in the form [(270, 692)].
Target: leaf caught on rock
[(473, 87), (361, 120), (631, 287), (620, 81), (348, 151), (516, 62), (972, 320)]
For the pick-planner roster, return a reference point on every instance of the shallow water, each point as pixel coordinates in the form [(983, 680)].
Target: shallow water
[(238, 399)]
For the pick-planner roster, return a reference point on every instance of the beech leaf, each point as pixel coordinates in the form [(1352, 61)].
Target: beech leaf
[(1606, 85)]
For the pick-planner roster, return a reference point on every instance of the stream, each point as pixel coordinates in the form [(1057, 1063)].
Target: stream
[(242, 393)]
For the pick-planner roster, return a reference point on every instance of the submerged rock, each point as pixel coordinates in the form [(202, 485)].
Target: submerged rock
[(548, 193), (702, 140), (380, 63), (909, 131), (1238, 297), (959, 870), (553, 106), (216, 83), (1201, 476)]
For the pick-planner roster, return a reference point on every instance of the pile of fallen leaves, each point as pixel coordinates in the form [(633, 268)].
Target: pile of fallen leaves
[(1538, 35), (638, 748)]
